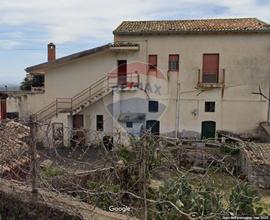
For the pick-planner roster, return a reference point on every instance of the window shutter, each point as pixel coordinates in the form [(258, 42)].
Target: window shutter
[(210, 68), (210, 63), (174, 62), (152, 61)]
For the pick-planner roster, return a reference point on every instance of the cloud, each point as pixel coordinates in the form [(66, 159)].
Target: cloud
[(70, 20), (8, 44), (26, 26)]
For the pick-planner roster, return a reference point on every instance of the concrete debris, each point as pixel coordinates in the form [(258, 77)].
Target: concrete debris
[(255, 161), (264, 132), (120, 163), (258, 153), (13, 146), (239, 137)]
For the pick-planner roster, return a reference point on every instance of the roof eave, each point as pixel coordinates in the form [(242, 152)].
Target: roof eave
[(189, 32), (41, 68)]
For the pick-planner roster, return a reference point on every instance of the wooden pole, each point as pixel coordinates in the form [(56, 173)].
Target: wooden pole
[(268, 112), (33, 151), (144, 185)]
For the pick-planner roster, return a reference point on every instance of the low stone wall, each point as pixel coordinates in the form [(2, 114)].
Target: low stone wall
[(264, 132), (203, 156), (17, 202), (258, 173)]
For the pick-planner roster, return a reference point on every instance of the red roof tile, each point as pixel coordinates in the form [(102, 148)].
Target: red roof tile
[(192, 26)]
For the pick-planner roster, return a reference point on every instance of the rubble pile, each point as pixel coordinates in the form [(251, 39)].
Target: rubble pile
[(256, 163), (258, 153), (13, 146)]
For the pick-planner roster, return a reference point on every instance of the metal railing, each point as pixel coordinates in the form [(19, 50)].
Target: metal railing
[(87, 96), (124, 80), (45, 111), (69, 105), (89, 93), (211, 79)]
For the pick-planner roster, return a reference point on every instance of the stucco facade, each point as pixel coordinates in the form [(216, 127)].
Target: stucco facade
[(243, 58)]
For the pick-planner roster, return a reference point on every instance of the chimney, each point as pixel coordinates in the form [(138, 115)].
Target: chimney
[(51, 52)]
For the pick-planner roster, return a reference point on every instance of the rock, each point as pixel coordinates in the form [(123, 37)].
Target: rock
[(46, 163), (120, 163), (155, 184), (198, 170)]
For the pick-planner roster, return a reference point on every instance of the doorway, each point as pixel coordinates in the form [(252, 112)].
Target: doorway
[(208, 129), (153, 126), (78, 137), (122, 72)]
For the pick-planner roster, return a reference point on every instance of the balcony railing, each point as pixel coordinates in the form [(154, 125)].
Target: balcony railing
[(37, 88), (123, 80), (122, 45), (211, 80), (70, 105)]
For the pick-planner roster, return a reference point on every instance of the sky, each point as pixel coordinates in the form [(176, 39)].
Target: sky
[(27, 26)]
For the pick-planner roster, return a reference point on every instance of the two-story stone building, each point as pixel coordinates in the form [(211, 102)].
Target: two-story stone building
[(183, 77)]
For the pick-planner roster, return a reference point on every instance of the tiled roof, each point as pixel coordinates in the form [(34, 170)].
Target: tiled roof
[(258, 153), (67, 58), (78, 55), (192, 26)]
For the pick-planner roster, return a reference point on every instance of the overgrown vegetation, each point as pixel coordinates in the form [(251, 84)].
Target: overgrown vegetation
[(103, 200), (180, 196), (177, 198), (52, 171), (242, 200), (35, 81)]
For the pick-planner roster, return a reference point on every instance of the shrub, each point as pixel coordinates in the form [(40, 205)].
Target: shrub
[(52, 171), (242, 199)]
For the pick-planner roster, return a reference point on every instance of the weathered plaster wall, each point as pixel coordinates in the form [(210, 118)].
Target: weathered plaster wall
[(26, 104), (245, 58)]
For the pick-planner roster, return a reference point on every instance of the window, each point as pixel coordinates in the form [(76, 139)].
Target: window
[(38, 81), (153, 126), (173, 62), (99, 122), (129, 124), (153, 106), (152, 60), (210, 68), (12, 115), (209, 107)]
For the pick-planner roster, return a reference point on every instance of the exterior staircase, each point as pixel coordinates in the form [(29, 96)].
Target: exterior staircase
[(73, 105)]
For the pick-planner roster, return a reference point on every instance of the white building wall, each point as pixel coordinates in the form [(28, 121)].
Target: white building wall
[(245, 58)]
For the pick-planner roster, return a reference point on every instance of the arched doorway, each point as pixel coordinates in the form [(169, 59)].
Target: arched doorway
[(208, 129)]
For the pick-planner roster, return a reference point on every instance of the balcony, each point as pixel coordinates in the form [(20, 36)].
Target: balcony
[(124, 46), (124, 81), (37, 89), (211, 80)]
